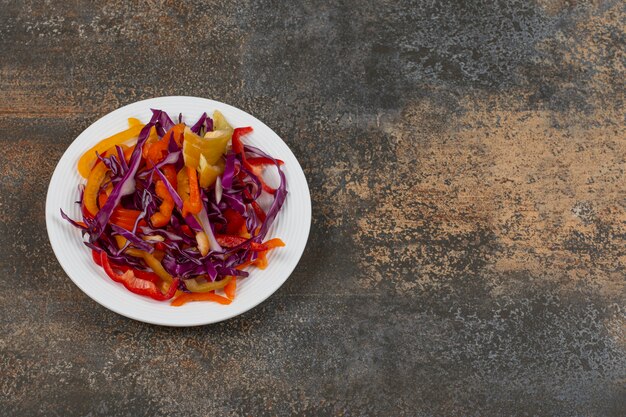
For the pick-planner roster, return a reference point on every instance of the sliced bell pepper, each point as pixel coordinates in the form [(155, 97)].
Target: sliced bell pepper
[(234, 221), (126, 218), (91, 199), (255, 206), (238, 148), (208, 173), (212, 146), (102, 197), (230, 241), (157, 151), (244, 265), (237, 133), (261, 160), (243, 232), (149, 276), (182, 181), (192, 205), (187, 230), (203, 243), (199, 296), (152, 262), (86, 162), (230, 288), (132, 121), (90, 194), (261, 260), (193, 285), (152, 138), (96, 257), (169, 171), (274, 243), (128, 151), (122, 217), (163, 216), (219, 121), (137, 285), (126, 214)]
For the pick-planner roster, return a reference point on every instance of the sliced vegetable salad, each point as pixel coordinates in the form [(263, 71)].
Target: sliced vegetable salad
[(171, 211)]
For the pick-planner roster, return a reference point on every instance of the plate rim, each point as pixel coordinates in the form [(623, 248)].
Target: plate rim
[(136, 315)]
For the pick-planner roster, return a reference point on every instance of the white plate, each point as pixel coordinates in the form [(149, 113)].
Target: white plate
[(291, 225)]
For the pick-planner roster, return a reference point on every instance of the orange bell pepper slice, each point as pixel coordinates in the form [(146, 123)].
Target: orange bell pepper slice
[(261, 261), (274, 243), (199, 296), (170, 173), (192, 205), (230, 288), (157, 151), (163, 216)]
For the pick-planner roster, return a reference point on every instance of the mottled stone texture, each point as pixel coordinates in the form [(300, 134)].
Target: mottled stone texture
[(467, 168)]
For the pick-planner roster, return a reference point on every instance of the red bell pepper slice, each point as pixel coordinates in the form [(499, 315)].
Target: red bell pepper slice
[(96, 257), (148, 276), (137, 285), (262, 160), (255, 206), (230, 241), (236, 140), (126, 218), (187, 230), (238, 148), (234, 221)]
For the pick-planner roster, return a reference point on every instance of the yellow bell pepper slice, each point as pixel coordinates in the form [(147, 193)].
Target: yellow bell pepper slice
[(208, 172), (86, 162), (194, 286), (90, 195), (212, 146), (182, 183), (94, 180), (219, 121), (152, 262), (133, 122)]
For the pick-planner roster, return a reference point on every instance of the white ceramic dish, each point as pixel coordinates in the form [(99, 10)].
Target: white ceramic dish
[(292, 224)]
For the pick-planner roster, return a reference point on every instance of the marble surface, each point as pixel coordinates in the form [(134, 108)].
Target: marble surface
[(467, 169)]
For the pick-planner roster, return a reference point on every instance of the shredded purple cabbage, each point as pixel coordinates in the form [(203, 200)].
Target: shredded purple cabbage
[(133, 188)]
